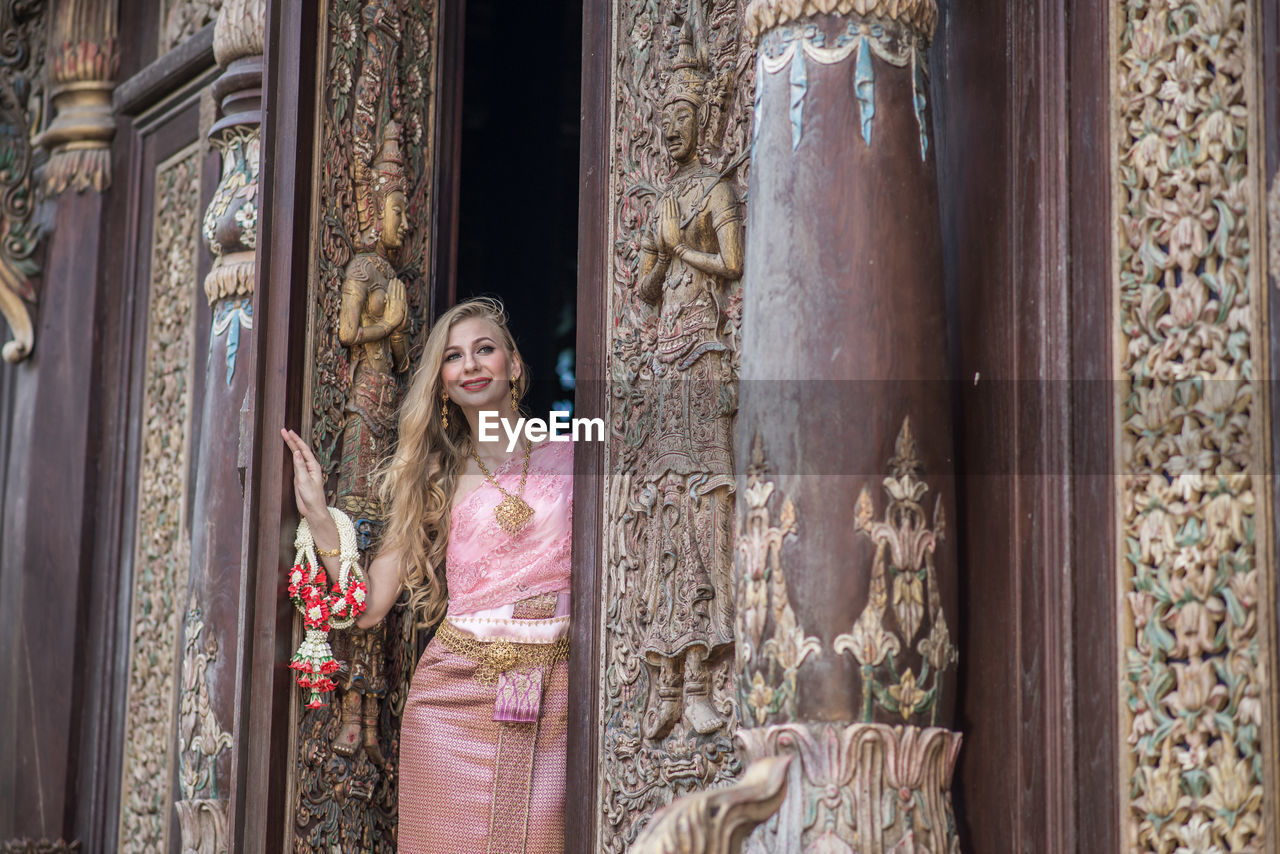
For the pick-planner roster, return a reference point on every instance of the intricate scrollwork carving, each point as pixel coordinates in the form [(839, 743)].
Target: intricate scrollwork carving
[(767, 668), (22, 60), (684, 93), (718, 821), (201, 738), (41, 846), (202, 815), (181, 19), (375, 192), (864, 788), (1197, 642), (161, 561), (904, 558)]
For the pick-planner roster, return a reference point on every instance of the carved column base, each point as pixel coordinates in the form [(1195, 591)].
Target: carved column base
[(864, 788), (79, 137), (204, 826)]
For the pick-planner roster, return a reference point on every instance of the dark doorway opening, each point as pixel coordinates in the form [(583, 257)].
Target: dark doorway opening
[(518, 179)]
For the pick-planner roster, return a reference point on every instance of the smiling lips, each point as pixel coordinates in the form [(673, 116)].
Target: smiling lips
[(475, 385)]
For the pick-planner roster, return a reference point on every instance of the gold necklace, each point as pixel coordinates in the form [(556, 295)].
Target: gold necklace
[(512, 512)]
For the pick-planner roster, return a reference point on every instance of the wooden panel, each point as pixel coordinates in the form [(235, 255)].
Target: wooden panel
[(582, 809), (1027, 271), (259, 807)]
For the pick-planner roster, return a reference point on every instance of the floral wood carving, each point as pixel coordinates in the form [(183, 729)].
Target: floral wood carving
[(202, 815), (767, 667), (718, 821), (684, 82), (201, 739), (161, 561), (861, 789), (763, 15), (377, 140), (1196, 640), (905, 545), (22, 61), (182, 19)]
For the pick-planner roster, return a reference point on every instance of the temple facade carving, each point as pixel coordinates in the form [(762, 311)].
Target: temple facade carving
[(684, 78), (1195, 645)]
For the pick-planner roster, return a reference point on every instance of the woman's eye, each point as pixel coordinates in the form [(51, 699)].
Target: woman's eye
[(486, 349), (451, 356)]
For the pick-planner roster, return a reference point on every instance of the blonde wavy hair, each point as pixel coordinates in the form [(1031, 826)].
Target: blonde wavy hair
[(416, 484)]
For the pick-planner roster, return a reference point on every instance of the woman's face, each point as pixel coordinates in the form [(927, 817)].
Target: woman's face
[(477, 369)]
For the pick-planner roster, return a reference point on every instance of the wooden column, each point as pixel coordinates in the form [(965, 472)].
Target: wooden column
[(845, 565), (211, 623)]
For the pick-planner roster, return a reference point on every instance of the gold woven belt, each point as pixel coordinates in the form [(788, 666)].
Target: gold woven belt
[(499, 656)]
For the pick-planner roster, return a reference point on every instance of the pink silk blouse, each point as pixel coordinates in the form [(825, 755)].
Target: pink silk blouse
[(485, 566)]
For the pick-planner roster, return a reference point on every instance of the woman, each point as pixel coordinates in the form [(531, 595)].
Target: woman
[(481, 537)]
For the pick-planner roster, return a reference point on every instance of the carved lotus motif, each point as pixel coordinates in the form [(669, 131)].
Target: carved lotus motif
[(869, 643)]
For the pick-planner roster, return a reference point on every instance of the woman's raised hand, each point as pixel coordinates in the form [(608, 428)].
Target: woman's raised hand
[(308, 479)]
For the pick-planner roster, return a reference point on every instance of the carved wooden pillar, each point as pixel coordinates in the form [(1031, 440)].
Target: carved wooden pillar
[(211, 626), (845, 569), (82, 69)]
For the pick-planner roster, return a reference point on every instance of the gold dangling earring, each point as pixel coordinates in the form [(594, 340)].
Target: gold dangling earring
[(515, 400), (444, 409)]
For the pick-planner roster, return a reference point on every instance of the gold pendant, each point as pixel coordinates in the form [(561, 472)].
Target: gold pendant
[(513, 514)]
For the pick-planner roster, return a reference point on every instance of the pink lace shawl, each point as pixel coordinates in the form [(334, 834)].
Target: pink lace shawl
[(487, 567)]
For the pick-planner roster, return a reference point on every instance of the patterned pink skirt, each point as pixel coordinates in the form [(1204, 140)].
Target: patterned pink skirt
[(473, 785)]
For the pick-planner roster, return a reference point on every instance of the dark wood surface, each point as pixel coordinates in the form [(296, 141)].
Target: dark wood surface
[(44, 576), (444, 240), (1094, 672), (582, 799), (161, 77), (1024, 178), (1269, 39), (260, 765)]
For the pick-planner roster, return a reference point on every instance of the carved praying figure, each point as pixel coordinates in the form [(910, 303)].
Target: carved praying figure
[(371, 323), (692, 254)]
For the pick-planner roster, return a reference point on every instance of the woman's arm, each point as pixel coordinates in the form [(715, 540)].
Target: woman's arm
[(383, 579), (384, 587)]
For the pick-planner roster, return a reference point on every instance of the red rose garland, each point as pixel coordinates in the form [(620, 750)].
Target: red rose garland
[(324, 606)]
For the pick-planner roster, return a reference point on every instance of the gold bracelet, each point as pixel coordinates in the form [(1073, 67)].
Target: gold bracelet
[(328, 552)]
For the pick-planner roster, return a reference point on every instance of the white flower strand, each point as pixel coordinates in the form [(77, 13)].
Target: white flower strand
[(348, 558)]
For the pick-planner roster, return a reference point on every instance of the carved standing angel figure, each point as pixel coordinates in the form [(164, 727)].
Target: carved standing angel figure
[(692, 254), (371, 323)]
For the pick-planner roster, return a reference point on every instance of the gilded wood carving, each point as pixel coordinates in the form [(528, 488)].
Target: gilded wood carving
[(82, 70), (370, 297), (161, 561), (718, 821), (684, 80), (904, 586), (1196, 582), (22, 62), (860, 789), (771, 643)]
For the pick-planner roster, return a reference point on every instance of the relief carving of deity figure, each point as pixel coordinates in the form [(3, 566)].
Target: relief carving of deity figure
[(693, 251), (372, 324)]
